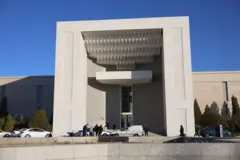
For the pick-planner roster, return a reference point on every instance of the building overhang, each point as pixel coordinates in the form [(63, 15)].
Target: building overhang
[(124, 77), (123, 48)]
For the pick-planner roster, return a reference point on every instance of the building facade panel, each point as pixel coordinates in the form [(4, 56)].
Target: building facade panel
[(148, 102), (216, 87)]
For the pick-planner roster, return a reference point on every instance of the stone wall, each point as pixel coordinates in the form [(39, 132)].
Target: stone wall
[(122, 151)]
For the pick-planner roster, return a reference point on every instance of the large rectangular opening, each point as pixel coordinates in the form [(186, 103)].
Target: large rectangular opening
[(126, 106), (124, 100)]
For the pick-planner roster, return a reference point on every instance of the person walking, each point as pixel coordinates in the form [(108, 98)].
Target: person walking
[(114, 127), (145, 131), (100, 129), (96, 128), (91, 130), (85, 130), (181, 131)]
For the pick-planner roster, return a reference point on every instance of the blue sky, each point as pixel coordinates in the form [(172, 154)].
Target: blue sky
[(28, 29)]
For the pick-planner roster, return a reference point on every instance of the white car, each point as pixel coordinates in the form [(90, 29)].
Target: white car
[(4, 134), (35, 132), (135, 130)]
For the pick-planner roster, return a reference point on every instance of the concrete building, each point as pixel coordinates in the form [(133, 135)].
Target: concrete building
[(215, 88), (25, 94), (129, 71)]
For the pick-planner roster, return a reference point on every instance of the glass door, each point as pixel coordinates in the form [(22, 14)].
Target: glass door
[(127, 107)]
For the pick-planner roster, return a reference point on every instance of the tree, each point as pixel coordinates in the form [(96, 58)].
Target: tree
[(225, 112), (235, 108), (3, 109), (9, 124), (214, 108), (40, 120), (209, 118), (197, 113)]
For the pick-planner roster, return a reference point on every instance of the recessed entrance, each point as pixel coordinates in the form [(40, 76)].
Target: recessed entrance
[(126, 106)]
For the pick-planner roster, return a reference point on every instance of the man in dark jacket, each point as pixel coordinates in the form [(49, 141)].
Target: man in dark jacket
[(95, 130), (100, 129), (145, 131), (84, 130), (181, 131)]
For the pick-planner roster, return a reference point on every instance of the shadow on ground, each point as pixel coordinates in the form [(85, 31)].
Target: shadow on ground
[(203, 140)]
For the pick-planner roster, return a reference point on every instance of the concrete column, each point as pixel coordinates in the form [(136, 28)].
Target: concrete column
[(79, 84), (70, 82), (178, 81)]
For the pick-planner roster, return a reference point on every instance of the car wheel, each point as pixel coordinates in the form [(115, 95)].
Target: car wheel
[(135, 135), (48, 135), (6, 135), (116, 134), (27, 136)]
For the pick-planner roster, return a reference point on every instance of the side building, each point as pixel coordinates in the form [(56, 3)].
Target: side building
[(25, 94), (215, 88)]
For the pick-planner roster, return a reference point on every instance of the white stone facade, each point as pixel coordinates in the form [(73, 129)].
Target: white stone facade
[(76, 102)]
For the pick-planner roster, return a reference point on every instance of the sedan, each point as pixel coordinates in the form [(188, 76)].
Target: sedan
[(4, 134), (35, 132)]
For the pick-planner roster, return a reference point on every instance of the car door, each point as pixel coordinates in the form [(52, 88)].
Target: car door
[(40, 132), (31, 132), (130, 132), (123, 131)]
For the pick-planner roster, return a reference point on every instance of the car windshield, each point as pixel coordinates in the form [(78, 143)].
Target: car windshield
[(124, 129)]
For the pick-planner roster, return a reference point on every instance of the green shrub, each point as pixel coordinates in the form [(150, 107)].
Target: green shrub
[(40, 120), (9, 124)]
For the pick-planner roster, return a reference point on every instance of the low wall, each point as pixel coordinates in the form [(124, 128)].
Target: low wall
[(124, 151), (78, 140)]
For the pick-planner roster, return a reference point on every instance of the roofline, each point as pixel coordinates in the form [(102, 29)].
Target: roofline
[(37, 76), (121, 19)]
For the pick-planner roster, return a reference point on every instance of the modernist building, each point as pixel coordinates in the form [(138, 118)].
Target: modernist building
[(25, 94), (130, 71)]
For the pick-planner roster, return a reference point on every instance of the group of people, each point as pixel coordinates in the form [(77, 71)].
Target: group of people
[(93, 131)]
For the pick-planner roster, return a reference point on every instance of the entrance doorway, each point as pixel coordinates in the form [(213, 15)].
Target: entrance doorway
[(127, 106), (127, 119)]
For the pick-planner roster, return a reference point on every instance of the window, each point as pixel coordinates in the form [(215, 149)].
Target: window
[(126, 99), (225, 90), (38, 130), (39, 96)]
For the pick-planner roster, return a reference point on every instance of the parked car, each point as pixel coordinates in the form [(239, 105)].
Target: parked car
[(135, 130), (211, 132), (17, 133), (4, 134), (35, 132), (78, 134)]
